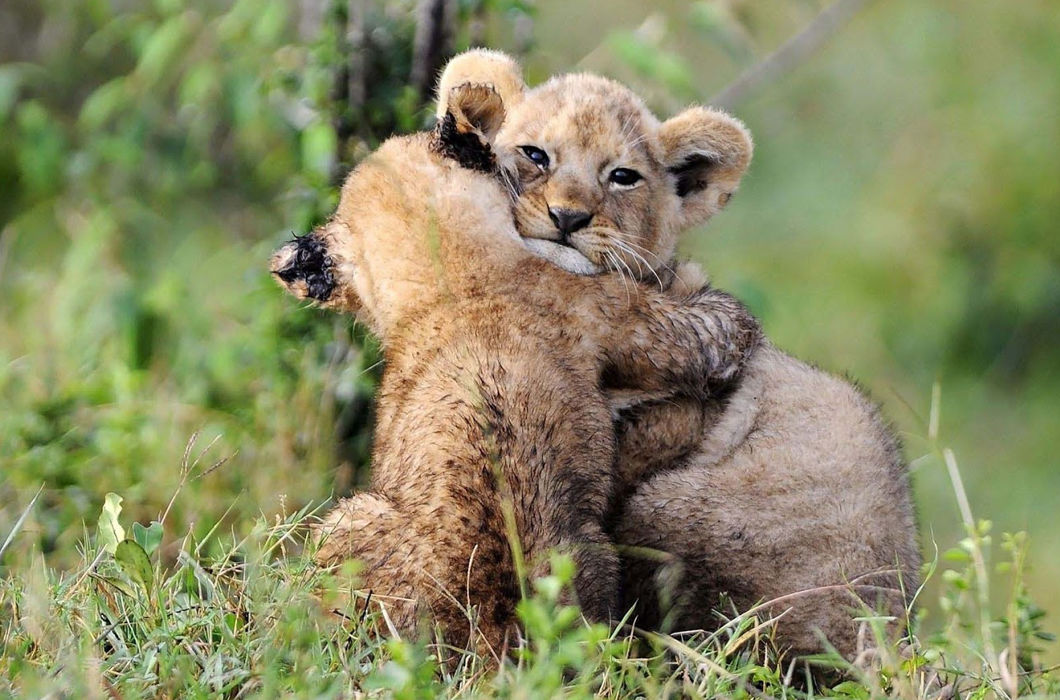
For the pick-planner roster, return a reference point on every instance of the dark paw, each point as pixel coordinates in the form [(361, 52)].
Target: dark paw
[(305, 259)]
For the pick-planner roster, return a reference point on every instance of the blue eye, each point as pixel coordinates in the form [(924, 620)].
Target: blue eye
[(535, 154), (624, 177)]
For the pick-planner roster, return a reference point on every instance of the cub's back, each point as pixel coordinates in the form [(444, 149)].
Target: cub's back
[(483, 394), (799, 487), (805, 450)]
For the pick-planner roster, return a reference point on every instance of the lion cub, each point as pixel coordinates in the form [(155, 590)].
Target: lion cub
[(491, 420), (790, 490)]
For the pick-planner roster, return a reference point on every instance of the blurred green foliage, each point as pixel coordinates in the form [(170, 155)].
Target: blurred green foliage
[(154, 157), (899, 222)]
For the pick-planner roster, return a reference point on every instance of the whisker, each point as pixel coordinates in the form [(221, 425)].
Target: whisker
[(623, 263), (510, 184), (615, 265), (628, 281), (624, 237), (638, 141), (641, 261), (661, 262)]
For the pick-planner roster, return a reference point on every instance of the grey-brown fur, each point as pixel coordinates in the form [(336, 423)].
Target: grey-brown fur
[(797, 490)]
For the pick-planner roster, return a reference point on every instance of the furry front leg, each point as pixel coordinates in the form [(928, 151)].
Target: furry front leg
[(691, 346), (315, 268), (657, 435), (596, 578), (421, 573)]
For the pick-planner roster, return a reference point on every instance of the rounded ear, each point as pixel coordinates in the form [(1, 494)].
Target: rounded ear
[(475, 108), (483, 66), (708, 152)]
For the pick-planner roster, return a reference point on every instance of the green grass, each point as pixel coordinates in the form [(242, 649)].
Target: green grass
[(153, 611)]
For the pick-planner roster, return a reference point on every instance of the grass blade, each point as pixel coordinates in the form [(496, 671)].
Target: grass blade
[(21, 520)]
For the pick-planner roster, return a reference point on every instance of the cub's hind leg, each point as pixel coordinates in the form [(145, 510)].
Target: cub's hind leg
[(368, 528), (420, 573), (597, 574), (760, 527)]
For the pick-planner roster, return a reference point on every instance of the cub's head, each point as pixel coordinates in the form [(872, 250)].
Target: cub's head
[(598, 172), (411, 220)]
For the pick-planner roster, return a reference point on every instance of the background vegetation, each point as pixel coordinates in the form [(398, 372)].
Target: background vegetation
[(899, 223)]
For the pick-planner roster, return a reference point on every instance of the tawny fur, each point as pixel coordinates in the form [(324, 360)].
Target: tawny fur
[(791, 488), (588, 126), (490, 402)]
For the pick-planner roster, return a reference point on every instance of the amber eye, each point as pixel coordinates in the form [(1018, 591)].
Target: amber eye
[(624, 177), (535, 154)]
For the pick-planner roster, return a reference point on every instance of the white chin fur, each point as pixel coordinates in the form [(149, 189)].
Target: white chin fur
[(562, 256)]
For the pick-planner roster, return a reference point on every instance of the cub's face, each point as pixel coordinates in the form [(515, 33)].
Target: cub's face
[(591, 174), (598, 172)]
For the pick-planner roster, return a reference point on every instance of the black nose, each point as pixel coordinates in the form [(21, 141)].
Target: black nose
[(569, 220)]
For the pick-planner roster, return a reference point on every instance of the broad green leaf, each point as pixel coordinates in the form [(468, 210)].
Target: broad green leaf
[(270, 22), (149, 537), (118, 584), (110, 37), (717, 22), (108, 529), (563, 568), (654, 63), (955, 579), (134, 562), (850, 689), (549, 587), (200, 82), (10, 81), (41, 147)]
